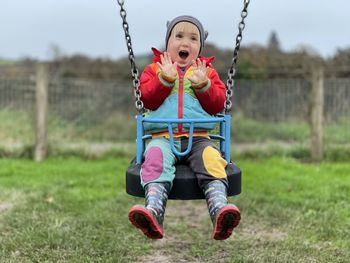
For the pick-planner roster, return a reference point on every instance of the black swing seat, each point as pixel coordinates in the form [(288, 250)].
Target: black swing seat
[(185, 186)]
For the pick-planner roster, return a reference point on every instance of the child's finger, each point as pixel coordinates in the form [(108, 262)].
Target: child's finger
[(162, 59), (167, 56), (203, 65), (194, 64), (160, 66), (199, 63)]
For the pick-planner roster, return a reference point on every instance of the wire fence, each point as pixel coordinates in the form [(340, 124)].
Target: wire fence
[(103, 111), (279, 100)]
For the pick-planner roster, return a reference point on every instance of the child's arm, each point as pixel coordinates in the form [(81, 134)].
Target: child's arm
[(211, 92), (154, 89)]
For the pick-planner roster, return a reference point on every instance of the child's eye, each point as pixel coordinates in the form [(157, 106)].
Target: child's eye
[(179, 35), (194, 38)]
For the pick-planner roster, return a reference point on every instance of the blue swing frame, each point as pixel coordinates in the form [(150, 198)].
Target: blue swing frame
[(185, 185), (224, 136)]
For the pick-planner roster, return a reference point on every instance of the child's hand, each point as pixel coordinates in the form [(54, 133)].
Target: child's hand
[(168, 69), (199, 75)]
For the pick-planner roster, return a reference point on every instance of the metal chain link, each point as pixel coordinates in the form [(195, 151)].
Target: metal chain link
[(232, 71), (134, 71)]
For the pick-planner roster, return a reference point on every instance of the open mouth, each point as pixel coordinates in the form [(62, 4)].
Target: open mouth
[(183, 54)]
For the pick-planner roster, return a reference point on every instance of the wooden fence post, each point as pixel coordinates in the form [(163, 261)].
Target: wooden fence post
[(41, 111), (317, 103)]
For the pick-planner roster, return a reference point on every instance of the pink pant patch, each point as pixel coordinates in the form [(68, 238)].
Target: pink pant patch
[(152, 167)]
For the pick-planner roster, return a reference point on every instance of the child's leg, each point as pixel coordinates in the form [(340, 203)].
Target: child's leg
[(157, 174), (209, 166), (149, 218), (158, 165), (225, 217)]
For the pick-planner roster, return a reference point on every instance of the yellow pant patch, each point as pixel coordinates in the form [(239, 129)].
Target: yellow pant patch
[(213, 162)]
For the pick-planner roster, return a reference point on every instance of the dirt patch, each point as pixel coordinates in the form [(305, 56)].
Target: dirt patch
[(9, 199), (194, 215), (4, 207), (169, 249), (260, 232), (189, 213), (157, 257)]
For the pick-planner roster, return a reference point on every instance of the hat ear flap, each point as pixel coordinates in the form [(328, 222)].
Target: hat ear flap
[(205, 34), (167, 24)]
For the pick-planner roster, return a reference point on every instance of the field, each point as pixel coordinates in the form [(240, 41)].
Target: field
[(116, 135), (75, 210)]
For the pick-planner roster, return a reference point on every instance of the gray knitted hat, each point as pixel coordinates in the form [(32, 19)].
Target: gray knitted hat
[(191, 19)]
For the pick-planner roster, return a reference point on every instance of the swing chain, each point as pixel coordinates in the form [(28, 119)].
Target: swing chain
[(232, 70), (134, 70)]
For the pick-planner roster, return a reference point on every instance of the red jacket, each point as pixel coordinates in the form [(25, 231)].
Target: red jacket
[(178, 99), (154, 91)]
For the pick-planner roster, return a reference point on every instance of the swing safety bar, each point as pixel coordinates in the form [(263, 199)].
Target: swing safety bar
[(224, 136)]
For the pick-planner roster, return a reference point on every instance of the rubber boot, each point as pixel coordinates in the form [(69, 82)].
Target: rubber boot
[(149, 218), (225, 217)]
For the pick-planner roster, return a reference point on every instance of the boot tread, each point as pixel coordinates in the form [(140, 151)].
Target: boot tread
[(144, 220)]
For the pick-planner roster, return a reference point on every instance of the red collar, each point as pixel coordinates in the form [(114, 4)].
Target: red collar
[(157, 53)]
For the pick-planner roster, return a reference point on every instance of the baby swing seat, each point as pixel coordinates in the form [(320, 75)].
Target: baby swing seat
[(185, 185)]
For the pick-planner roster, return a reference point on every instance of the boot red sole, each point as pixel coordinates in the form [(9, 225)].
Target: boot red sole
[(227, 219), (143, 219)]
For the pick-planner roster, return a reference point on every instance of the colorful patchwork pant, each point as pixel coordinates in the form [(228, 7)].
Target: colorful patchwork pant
[(204, 159)]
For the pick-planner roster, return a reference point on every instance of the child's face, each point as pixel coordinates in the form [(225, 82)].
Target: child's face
[(184, 43)]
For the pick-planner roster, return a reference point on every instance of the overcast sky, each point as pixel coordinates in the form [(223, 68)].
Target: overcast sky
[(93, 27)]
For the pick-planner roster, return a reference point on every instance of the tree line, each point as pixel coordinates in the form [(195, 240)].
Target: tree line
[(255, 61)]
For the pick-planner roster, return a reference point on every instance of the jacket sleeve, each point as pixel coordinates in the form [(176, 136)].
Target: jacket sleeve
[(212, 96), (153, 89)]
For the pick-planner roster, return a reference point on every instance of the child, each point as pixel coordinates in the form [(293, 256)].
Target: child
[(182, 84)]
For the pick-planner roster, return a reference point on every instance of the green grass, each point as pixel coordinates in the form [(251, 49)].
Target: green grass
[(249, 130), (64, 211), (6, 62), (115, 136), (73, 210), (114, 127), (18, 126), (339, 132)]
